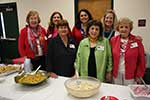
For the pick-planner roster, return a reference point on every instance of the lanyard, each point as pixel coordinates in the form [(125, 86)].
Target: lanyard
[(111, 33), (83, 33)]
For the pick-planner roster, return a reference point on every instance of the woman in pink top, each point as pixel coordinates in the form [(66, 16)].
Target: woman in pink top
[(52, 28)]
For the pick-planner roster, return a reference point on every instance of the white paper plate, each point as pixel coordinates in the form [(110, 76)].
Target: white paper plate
[(2, 79)]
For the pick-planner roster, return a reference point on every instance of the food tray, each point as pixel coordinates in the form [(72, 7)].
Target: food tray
[(140, 91), (29, 79), (8, 69)]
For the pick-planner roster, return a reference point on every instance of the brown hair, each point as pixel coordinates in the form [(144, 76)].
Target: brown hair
[(54, 13), (51, 24), (64, 23), (32, 13)]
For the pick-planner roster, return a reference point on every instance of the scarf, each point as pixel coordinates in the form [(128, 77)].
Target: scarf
[(36, 40)]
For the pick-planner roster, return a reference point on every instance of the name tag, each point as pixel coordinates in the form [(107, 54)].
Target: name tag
[(72, 46), (134, 45), (100, 47)]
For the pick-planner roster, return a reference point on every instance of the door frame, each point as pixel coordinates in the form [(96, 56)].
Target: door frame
[(9, 41)]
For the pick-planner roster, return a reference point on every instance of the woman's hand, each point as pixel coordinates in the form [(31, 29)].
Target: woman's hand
[(138, 80), (53, 75), (74, 76), (139, 37), (108, 77)]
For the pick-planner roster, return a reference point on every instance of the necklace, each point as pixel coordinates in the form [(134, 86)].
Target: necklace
[(93, 39)]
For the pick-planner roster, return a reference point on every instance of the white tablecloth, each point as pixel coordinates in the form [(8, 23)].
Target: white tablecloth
[(53, 89)]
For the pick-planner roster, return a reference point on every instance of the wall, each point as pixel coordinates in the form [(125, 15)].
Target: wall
[(136, 9), (45, 9)]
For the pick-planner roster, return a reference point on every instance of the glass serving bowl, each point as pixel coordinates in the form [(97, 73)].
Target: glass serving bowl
[(83, 86)]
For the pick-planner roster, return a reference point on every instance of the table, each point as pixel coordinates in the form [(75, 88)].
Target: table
[(54, 89)]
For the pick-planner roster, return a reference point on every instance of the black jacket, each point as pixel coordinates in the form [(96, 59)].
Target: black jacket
[(60, 59)]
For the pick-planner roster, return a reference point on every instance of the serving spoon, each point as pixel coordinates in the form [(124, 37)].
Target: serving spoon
[(146, 86), (36, 70)]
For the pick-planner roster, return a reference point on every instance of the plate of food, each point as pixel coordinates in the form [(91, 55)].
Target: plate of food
[(139, 91), (32, 79), (8, 69)]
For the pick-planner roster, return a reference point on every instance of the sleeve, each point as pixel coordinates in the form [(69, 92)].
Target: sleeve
[(21, 43), (109, 56), (78, 57), (73, 32), (49, 56), (45, 41), (141, 65)]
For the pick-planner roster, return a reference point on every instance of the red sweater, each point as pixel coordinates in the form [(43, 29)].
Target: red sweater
[(76, 34), (134, 57), (23, 44)]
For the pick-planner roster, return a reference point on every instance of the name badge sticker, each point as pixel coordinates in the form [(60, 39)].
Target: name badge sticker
[(100, 47), (72, 46), (134, 45)]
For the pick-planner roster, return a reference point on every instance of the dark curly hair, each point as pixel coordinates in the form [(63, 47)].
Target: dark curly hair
[(96, 23)]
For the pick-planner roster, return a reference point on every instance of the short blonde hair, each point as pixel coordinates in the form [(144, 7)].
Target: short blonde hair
[(124, 20), (32, 13)]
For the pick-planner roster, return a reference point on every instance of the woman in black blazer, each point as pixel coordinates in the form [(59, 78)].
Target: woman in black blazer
[(61, 52)]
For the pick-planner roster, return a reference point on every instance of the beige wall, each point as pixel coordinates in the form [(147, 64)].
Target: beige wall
[(45, 9), (136, 9)]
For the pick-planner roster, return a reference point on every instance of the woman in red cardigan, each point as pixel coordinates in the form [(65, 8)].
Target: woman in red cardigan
[(78, 32), (32, 42), (128, 55)]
